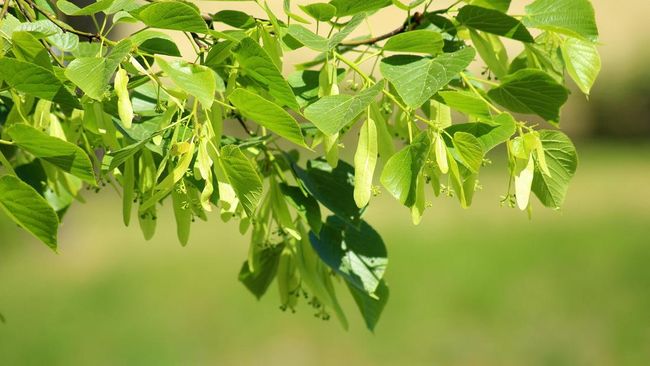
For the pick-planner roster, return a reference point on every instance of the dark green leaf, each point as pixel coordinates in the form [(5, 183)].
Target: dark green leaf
[(305, 84), (493, 21), (501, 5), (333, 187), (371, 307), (358, 254), (306, 205), (531, 91), (259, 281)]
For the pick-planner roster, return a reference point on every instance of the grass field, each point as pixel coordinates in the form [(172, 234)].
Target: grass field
[(479, 287)]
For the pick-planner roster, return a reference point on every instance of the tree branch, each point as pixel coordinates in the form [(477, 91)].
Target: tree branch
[(64, 26), (410, 24)]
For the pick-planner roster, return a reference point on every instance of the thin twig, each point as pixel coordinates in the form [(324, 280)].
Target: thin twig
[(243, 125), (64, 26), (410, 24)]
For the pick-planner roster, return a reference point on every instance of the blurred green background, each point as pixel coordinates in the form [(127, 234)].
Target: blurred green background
[(484, 286)]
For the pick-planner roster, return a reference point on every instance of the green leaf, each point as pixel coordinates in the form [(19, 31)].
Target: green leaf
[(35, 80), (402, 169), (493, 21), (234, 18), (243, 177), (258, 282), (411, 4), (28, 48), (582, 62), (322, 12), (196, 80), (369, 306), (358, 254), (62, 154), (492, 52), (267, 114), (155, 42), (115, 158), (318, 43), (490, 133), (316, 276), (572, 17), (175, 15), (332, 187), (417, 79), (106, 6), (28, 209), (331, 113), (533, 92), (306, 205), (465, 102), (352, 7), (416, 41), (257, 64), (305, 84), (562, 162), (349, 27), (92, 74), (182, 211), (469, 149), (308, 38), (365, 160), (501, 5), (280, 210), (88, 74), (128, 185)]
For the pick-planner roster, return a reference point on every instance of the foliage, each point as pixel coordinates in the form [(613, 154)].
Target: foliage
[(79, 109)]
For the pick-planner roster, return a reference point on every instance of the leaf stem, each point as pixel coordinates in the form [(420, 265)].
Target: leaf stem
[(225, 104), (478, 94), (367, 78)]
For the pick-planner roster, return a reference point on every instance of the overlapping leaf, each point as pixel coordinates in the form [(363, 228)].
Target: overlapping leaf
[(417, 79)]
